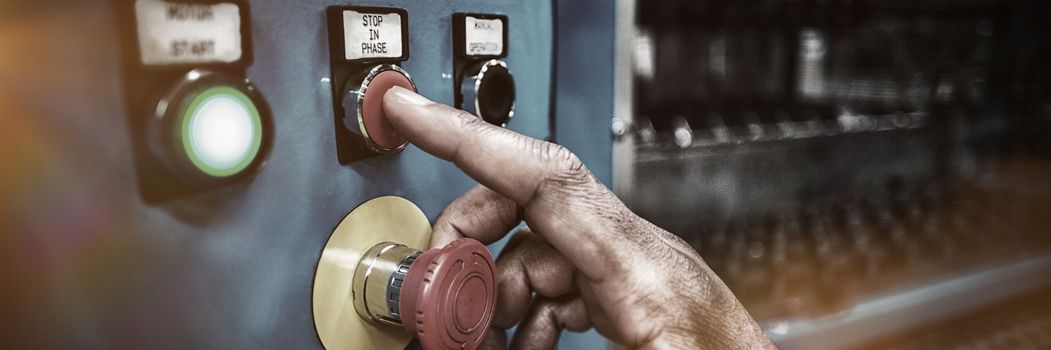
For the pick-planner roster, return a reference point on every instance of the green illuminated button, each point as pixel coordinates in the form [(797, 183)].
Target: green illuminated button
[(221, 131), (209, 129)]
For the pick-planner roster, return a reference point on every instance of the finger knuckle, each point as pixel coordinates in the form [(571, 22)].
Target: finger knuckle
[(562, 156), (566, 168), (547, 308), (471, 123), (450, 211)]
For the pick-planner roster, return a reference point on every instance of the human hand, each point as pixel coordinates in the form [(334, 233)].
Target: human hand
[(589, 259)]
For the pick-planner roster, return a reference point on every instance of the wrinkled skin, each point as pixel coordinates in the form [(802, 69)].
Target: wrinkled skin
[(590, 260)]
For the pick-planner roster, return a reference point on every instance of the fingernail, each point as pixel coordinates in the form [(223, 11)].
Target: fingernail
[(404, 96)]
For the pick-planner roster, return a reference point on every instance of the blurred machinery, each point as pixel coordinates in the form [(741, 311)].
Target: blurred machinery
[(854, 170)]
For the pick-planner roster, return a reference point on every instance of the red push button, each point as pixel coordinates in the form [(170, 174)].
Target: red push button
[(376, 125), (364, 108), (449, 295)]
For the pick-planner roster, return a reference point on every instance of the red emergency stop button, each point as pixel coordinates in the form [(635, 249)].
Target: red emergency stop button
[(363, 108), (449, 295)]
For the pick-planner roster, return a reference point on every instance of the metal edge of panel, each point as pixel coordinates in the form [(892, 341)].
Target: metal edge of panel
[(626, 32), (585, 44), (886, 314)]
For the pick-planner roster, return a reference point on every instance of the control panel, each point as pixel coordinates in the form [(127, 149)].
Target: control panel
[(192, 167), (204, 130)]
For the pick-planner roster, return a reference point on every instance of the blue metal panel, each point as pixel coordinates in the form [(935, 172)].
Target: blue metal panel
[(231, 268), (585, 71)]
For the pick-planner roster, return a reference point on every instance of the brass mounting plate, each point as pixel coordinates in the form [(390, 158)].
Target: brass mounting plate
[(383, 219)]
